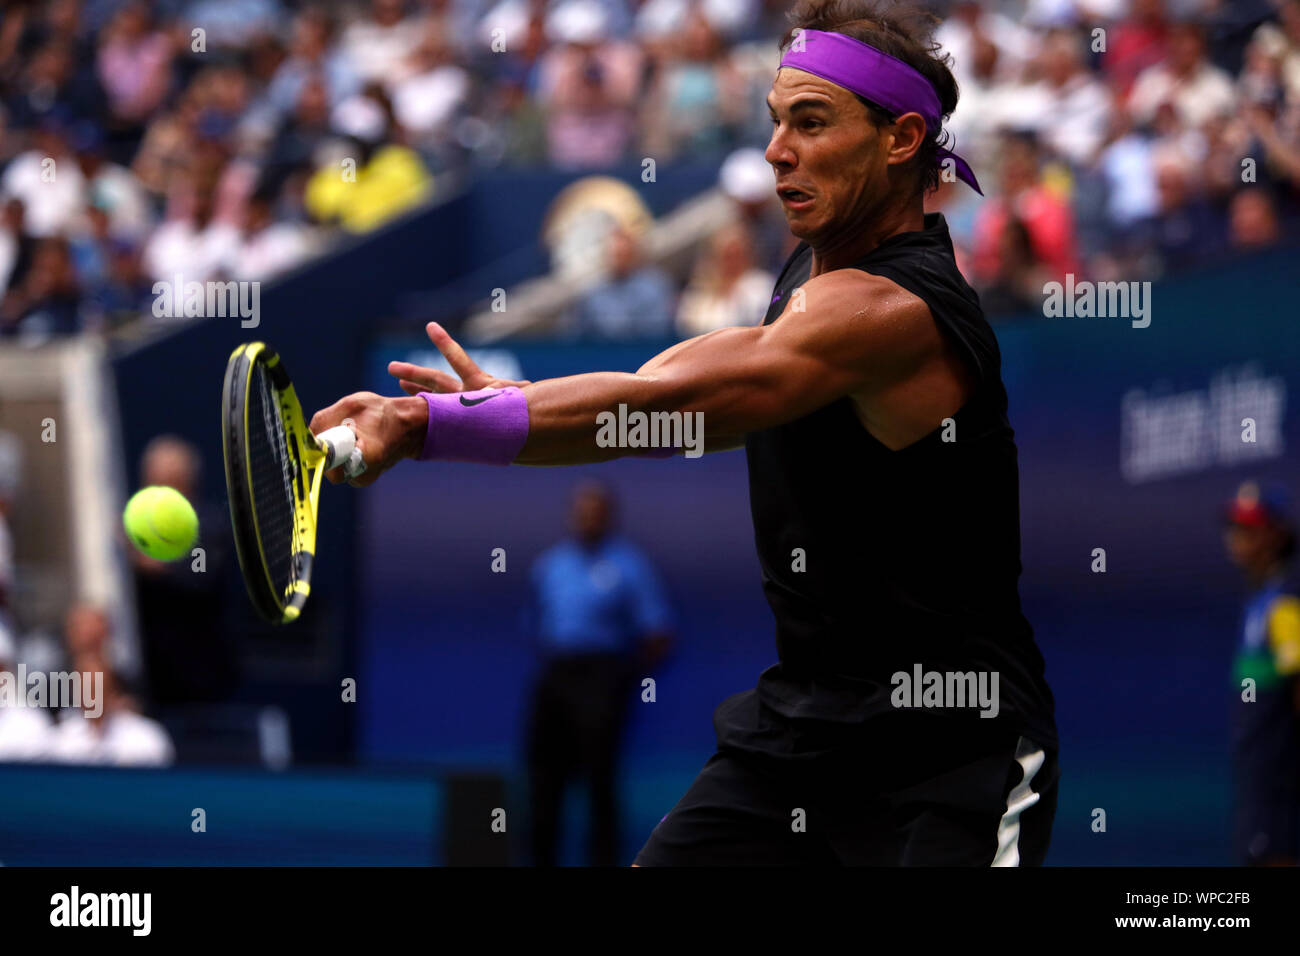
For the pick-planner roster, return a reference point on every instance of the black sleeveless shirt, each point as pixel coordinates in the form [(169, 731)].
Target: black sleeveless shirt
[(875, 561)]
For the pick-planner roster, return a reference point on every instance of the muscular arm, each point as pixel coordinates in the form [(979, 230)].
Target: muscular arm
[(857, 333), (854, 334)]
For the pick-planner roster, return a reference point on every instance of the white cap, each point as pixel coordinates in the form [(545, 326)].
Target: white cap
[(578, 21), (747, 177), (511, 18), (362, 117), (728, 16), (659, 18)]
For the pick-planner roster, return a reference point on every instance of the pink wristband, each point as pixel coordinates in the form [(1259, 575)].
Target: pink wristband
[(488, 426)]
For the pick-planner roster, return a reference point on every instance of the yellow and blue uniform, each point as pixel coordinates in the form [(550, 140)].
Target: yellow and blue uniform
[(1266, 738), (599, 599)]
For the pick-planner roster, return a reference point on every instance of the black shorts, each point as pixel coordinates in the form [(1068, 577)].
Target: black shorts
[(748, 810)]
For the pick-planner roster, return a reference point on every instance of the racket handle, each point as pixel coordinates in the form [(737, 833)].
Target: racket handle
[(340, 446)]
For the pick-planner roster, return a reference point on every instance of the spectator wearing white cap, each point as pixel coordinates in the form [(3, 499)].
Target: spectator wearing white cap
[(378, 44), (435, 89), (747, 178), (48, 181), (391, 177), (507, 20), (663, 19)]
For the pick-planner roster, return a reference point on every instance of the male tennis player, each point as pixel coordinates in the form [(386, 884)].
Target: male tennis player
[(907, 720)]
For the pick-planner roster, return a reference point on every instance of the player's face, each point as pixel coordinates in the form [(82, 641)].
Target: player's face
[(826, 145)]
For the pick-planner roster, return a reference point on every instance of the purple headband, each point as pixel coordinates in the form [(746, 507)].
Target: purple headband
[(885, 80)]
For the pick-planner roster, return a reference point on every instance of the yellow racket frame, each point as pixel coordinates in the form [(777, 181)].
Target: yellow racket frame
[(309, 460)]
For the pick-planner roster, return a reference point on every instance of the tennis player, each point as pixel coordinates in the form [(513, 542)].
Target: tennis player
[(907, 720)]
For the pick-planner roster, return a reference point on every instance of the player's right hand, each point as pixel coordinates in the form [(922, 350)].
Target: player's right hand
[(388, 430)]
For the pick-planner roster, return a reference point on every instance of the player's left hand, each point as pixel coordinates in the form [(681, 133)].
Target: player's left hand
[(387, 430)]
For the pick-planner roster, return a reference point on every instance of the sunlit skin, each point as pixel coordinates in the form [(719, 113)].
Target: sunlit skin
[(826, 143), (849, 334)]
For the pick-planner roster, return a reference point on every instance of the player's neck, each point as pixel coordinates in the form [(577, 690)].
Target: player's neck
[(841, 250)]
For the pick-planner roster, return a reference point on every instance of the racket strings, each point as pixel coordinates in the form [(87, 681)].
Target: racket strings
[(272, 472)]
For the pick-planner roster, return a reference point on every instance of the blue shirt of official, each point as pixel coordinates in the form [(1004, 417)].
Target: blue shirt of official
[(598, 599)]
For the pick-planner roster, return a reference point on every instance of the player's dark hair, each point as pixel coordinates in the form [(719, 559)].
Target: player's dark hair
[(902, 31)]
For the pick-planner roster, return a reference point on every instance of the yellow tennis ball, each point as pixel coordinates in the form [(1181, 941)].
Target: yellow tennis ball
[(161, 523)]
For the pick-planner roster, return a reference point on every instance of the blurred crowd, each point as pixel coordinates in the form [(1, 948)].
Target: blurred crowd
[(1114, 140), (1151, 140), (106, 726), (102, 721), (231, 139), (187, 670)]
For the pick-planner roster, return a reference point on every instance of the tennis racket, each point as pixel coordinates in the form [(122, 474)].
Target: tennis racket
[(274, 466)]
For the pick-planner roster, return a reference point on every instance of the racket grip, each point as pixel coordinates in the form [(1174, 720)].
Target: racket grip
[(340, 445)]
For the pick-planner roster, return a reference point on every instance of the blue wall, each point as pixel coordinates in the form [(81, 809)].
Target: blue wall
[(72, 816)]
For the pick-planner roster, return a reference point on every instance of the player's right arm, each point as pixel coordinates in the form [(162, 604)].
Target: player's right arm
[(859, 335), (856, 335)]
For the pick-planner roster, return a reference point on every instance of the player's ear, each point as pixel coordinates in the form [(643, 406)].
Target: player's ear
[(909, 132)]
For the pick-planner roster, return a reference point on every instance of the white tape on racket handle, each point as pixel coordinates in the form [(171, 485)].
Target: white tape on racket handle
[(339, 443), (356, 464)]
